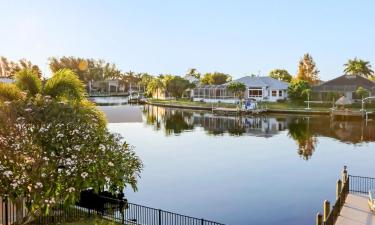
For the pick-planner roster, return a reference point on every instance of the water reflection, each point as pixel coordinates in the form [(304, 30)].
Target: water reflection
[(305, 130)]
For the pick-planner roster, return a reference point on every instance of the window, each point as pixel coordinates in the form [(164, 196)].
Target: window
[(274, 93), (280, 93), (255, 93)]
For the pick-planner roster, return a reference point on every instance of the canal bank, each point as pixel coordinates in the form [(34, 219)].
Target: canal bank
[(224, 110), (231, 110)]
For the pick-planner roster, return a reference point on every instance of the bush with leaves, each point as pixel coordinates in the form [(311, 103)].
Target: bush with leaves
[(299, 90), (53, 148)]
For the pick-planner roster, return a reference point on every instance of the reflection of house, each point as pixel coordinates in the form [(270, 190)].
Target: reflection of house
[(6, 80), (257, 88), (254, 126), (346, 85)]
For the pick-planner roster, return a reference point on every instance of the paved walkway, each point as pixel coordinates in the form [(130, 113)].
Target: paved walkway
[(356, 211)]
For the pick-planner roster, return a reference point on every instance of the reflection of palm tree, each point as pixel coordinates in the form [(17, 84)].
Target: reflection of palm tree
[(176, 123), (306, 147), (299, 130)]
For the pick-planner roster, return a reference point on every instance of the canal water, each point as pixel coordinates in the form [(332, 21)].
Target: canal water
[(252, 170)]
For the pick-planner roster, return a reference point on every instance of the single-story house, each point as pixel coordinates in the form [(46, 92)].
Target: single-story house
[(257, 88), (6, 80), (345, 85)]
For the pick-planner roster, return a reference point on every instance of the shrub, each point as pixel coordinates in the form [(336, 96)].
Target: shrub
[(44, 140), (28, 81), (65, 84), (9, 92)]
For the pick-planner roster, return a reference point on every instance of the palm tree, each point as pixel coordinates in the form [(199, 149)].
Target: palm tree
[(154, 86), (64, 85), (193, 72), (358, 67)]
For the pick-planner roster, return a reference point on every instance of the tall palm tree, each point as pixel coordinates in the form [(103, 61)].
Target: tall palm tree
[(358, 67)]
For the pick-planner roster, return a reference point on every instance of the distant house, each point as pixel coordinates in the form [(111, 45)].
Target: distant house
[(6, 80), (345, 85), (257, 88)]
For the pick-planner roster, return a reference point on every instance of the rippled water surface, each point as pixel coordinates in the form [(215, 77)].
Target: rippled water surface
[(274, 169)]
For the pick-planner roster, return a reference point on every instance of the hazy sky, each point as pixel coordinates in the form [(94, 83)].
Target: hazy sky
[(235, 37)]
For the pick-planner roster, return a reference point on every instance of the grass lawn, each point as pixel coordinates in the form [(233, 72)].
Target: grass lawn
[(270, 105)]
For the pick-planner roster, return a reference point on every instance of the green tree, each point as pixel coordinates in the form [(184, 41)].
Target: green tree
[(358, 67), (176, 86), (307, 70), (215, 78), (9, 68), (299, 90), (281, 74), (362, 92), (237, 88), (154, 86), (194, 73)]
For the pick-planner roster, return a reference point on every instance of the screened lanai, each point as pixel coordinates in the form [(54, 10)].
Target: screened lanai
[(213, 92)]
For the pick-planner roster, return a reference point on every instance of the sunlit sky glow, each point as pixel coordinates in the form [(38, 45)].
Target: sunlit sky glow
[(235, 37)]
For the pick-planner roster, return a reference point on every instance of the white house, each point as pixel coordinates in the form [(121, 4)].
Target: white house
[(257, 88), (6, 80)]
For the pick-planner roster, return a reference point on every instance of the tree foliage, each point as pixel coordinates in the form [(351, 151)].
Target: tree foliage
[(307, 70), (43, 138), (10, 92), (194, 73), (65, 84), (86, 69), (281, 74), (215, 78), (9, 68), (29, 81), (176, 86), (362, 92), (359, 67), (237, 88), (299, 90)]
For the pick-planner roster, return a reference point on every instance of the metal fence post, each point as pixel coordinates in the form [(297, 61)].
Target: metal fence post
[(159, 217), (6, 210), (202, 221)]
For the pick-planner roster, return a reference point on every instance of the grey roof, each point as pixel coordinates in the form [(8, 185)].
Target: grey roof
[(263, 82), (345, 83)]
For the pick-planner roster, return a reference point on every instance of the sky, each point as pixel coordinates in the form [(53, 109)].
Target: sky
[(235, 37)]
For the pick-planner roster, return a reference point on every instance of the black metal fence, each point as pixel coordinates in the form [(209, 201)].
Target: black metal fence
[(361, 185), (119, 211), (335, 212)]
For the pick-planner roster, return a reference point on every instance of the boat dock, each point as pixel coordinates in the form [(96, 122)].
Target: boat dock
[(352, 202)]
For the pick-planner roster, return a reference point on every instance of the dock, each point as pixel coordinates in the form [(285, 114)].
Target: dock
[(356, 211), (351, 206)]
